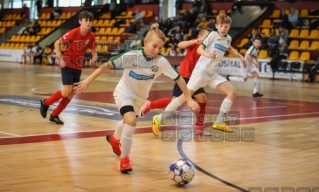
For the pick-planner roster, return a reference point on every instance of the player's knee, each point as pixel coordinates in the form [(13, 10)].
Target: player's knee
[(233, 92), (126, 109), (245, 79)]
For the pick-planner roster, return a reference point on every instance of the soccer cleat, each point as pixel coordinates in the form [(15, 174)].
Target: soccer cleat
[(43, 108), (257, 94), (145, 108), (126, 165), (156, 126), (56, 119), (116, 145), (227, 77), (222, 127)]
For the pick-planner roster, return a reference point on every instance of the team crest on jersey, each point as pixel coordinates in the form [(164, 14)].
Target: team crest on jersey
[(87, 42), (228, 42), (154, 68)]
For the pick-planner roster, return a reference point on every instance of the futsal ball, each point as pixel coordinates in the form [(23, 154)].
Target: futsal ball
[(181, 172)]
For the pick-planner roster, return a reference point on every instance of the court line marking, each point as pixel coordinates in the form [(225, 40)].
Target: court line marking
[(10, 134), (272, 107), (184, 156)]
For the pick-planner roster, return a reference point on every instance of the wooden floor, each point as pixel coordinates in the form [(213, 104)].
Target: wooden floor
[(281, 149)]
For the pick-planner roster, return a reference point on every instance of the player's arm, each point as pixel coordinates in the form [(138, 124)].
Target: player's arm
[(186, 44), (83, 85), (234, 52), (57, 48), (193, 106), (257, 63), (201, 51)]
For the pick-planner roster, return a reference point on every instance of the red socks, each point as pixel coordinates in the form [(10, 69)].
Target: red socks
[(62, 105), (160, 103), (54, 98), (200, 117)]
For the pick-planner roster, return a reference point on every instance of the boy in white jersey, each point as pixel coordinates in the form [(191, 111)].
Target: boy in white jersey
[(212, 51), (141, 67), (252, 67)]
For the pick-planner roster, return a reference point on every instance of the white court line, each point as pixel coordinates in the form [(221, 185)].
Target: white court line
[(9, 134), (269, 107)]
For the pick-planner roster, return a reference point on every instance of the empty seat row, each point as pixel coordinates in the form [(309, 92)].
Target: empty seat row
[(304, 33), (110, 31), (25, 38), (304, 45), (7, 23), (64, 15), (54, 23), (301, 13)]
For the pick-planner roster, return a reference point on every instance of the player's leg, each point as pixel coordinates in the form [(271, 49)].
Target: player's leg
[(243, 78), (256, 82), (157, 104), (200, 96), (224, 86)]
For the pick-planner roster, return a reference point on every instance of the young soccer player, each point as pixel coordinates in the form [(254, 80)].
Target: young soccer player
[(77, 41), (212, 51), (142, 66), (185, 69), (252, 67)]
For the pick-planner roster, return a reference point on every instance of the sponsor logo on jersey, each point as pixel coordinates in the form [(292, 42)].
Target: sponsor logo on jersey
[(140, 77), (220, 47)]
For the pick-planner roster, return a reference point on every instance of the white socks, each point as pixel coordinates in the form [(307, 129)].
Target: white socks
[(127, 140), (224, 109), (172, 106), (255, 85), (118, 130), (236, 79)]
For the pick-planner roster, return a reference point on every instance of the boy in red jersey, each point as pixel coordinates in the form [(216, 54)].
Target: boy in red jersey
[(77, 41), (185, 69)]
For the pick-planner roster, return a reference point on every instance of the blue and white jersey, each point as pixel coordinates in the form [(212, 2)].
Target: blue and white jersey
[(213, 42), (140, 72)]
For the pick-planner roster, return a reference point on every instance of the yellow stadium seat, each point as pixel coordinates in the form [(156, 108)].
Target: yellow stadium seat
[(243, 51), (294, 55), (263, 54), (68, 15), (294, 44), (303, 13), (243, 42), (304, 33), (294, 33), (314, 45), (101, 31), (266, 32), (266, 24), (314, 34), (305, 56), (304, 45), (108, 31), (94, 23), (275, 13)]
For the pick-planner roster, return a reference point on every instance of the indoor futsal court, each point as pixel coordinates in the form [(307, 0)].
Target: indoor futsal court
[(280, 150)]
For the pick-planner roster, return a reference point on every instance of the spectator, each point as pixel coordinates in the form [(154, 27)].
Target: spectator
[(33, 30), (173, 52), (211, 24), (136, 42), (26, 54), (283, 35), (264, 41), (56, 13), (113, 9), (37, 54), (252, 37), (39, 7), (277, 58), (284, 21), (273, 41), (45, 55), (50, 3), (138, 18), (293, 17), (168, 26), (23, 11), (178, 34), (202, 13)]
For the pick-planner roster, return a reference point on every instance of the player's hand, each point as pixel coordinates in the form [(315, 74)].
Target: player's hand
[(193, 106), (61, 63), (212, 55), (91, 62), (80, 87), (243, 62), (257, 65)]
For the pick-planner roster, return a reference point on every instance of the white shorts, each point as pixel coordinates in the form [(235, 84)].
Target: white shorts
[(200, 78), (124, 100), (249, 69)]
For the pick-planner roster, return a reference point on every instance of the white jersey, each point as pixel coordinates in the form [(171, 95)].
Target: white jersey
[(213, 42), (253, 52), (140, 72)]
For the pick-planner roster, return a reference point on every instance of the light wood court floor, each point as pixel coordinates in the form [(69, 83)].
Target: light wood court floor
[(281, 149)]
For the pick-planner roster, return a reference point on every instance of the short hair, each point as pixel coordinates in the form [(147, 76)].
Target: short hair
[(154, 30), (256, 38), (86, 15), (223, 18)]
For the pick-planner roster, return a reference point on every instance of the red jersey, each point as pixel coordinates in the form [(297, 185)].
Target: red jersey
[(76, 47), (188, 64)]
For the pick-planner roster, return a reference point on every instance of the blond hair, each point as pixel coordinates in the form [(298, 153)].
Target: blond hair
[(223, 18), (154, 30)]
